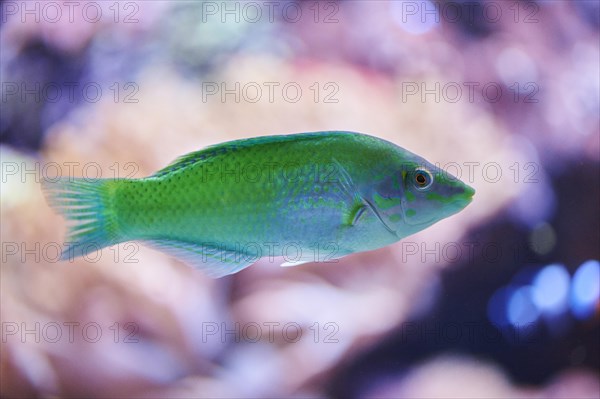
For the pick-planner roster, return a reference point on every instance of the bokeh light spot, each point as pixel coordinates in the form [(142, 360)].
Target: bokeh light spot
[(585, 290), (551, 288), (521, 310), (542, 239)]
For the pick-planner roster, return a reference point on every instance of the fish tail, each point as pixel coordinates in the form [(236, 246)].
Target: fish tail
[(87, 206)]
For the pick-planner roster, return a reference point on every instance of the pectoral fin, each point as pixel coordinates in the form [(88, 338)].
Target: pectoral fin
[(356, 212), (357, 205)]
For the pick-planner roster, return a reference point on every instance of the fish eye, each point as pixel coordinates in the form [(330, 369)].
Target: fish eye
[(422, 179)]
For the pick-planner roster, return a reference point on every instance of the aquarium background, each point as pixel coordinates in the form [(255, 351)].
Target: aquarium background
[(500, 300)]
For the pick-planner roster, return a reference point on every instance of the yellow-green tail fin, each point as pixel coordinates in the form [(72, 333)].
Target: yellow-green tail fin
[(85, 204)]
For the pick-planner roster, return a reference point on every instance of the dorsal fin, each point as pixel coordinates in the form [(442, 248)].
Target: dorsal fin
[(191, 158), (215, 150)]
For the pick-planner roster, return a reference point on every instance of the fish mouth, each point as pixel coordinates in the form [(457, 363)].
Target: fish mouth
[(469, 193), (463, 199)]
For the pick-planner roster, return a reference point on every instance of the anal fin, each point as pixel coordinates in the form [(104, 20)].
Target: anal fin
[(212, 260)]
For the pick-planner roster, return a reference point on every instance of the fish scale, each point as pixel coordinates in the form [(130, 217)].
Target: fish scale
[(222, 208)]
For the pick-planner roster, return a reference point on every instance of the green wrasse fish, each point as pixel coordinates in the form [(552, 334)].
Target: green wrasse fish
[(309, 197)]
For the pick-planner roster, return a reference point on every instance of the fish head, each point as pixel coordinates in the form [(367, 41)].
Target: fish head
[(416, 194)]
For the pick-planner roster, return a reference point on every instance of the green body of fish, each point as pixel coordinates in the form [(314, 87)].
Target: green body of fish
[(307, 197)]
